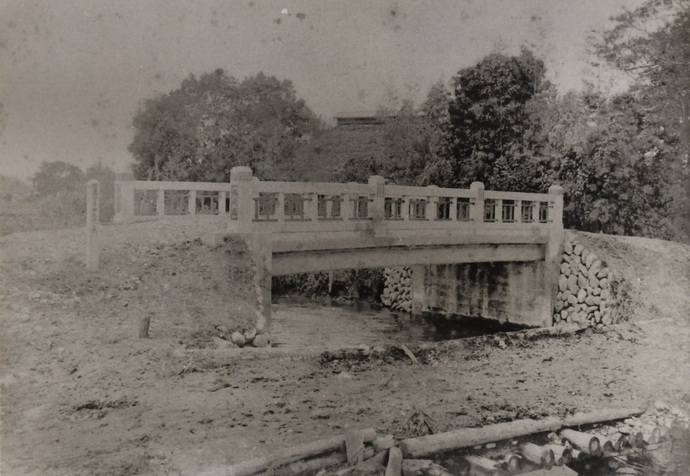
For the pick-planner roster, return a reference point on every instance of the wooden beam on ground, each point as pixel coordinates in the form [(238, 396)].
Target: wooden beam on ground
[(468, 437), (290, 455)]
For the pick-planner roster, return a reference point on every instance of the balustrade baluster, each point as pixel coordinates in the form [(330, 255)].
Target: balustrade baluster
[(192, 202), (160, 202), (280, 207)]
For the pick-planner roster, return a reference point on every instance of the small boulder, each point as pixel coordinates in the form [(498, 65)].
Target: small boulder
[(249, 334), (383, 442), (261, 340), (578, 249), (238, 339), (568, 247), (572, 284), (563, 283)]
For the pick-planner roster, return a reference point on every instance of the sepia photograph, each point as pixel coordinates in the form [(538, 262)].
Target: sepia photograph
[(344, 237)]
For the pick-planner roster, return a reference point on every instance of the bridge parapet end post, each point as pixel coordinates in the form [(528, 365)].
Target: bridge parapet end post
[(377, 187), (556, 206), (241, 196), (477, 202)]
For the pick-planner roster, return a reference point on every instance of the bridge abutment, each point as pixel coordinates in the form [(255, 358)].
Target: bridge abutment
[(503, 291)]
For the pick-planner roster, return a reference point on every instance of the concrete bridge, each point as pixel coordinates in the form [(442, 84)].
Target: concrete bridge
[(473, 251)]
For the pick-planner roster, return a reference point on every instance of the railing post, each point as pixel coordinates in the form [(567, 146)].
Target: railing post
[(222, 200), (160, 202), (92, 222), (477, 207), (313, 207), (241, 199), (377, 188), (432, 204)]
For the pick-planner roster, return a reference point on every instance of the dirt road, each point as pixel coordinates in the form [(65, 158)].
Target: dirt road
[(83, 395)]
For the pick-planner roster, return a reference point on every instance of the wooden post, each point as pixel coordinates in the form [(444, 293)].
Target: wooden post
[(144, 324), (261, 247), (92, 222)]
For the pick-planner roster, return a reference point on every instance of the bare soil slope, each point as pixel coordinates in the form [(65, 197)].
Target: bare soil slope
[(83, 395)]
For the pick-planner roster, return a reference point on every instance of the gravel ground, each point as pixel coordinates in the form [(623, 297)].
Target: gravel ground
[(83, 395)]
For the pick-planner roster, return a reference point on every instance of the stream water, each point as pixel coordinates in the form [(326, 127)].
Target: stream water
[(301, 322)]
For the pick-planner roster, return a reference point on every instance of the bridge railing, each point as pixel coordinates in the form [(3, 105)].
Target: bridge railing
[(248, 204)]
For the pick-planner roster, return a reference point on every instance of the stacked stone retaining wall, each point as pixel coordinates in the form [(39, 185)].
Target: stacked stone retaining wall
[(584, 288), (397, 290)]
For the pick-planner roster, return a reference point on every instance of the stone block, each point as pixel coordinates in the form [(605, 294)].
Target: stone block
[(603, 273), (562, 283), (572, 284), (238, 339), (582, 282), (260, 340), (578, 249), (249, 334), (581, 295), (568, 247)]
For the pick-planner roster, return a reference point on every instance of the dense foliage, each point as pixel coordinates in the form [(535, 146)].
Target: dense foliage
[(59, 194), (209, 125)]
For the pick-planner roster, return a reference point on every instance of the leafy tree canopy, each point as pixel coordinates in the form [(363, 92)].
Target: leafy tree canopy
[(490, 133), (208, 125), (58, 176), (652, 43)]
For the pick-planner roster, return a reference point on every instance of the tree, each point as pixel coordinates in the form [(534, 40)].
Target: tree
[(203, 129), (58, 176), (613, 159), (652, 44), (491, 132), (412, 143)]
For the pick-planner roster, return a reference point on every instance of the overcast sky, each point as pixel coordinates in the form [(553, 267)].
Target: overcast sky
[(74, 72)]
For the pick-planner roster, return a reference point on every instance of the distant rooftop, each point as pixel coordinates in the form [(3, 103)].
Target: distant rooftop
[(360, 117), (365, 117)]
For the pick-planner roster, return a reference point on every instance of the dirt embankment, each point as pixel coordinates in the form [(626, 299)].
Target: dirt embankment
[(83, 395)]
